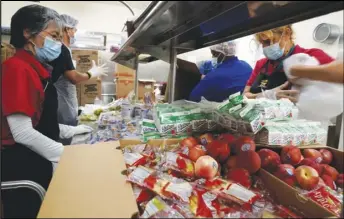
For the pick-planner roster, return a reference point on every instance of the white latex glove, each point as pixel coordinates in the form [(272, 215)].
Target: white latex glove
[(67, 131), (298, 59), (279, 93), (97, 71), (82, 129)]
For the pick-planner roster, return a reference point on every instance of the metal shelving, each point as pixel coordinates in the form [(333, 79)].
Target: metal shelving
[(168, 28)]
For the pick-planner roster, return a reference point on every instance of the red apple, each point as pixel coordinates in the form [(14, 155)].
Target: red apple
[(329, 182), (206, 167), (231, 162), (205, 139), (249, 160), (241, 176), (326, 156), (340, 180), (330, 171), (189, 142), (244, 143), (314, 154), (229, 138), (219, 150), (302, 157), (310, 162), (196, 152), (291, 155), (307, 177), (270, 159), (286, 173)]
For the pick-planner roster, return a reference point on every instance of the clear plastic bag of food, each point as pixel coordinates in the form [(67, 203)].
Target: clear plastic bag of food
[(230, 191), (179, 163)]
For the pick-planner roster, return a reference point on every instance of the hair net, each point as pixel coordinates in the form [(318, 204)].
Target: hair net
[(68, 21), (35, 19), (226, 48)]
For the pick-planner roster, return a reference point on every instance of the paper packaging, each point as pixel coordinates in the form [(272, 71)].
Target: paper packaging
[(289, 196), (124, 72), (89, 89), (125, 85), (146, 86), (84, 59)]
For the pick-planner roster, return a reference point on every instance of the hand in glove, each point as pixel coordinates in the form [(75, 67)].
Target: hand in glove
[(279, 93), (97, 71), (82, 129)]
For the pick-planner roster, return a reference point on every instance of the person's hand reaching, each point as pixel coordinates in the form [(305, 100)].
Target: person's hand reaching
[(82, 129), (97, 71), (280, 93)]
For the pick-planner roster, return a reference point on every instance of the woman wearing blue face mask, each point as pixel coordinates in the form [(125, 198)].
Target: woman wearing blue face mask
[(29, 127), (268, 78)]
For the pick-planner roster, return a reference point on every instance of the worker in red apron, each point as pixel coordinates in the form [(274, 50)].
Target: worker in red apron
[(268, 78), (29, 128)]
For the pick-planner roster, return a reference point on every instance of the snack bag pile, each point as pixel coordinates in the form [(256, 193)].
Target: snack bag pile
[(167, 184)]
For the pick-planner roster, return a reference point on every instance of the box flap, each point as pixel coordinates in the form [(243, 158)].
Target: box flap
[(88, 184)]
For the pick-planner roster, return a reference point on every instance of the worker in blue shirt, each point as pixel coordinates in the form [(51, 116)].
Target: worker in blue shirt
[(227, 77), (208, 65)]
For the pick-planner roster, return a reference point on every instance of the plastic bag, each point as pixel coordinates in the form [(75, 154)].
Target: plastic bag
[(320, 101)]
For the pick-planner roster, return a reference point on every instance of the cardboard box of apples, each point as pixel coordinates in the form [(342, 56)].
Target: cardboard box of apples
[(308, 178), (295, 176)]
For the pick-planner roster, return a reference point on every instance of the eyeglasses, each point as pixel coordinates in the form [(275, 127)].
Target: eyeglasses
[(54, 36)]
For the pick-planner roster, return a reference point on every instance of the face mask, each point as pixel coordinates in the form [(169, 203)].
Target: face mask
[(274, 51), (50, 50), (71, 40)]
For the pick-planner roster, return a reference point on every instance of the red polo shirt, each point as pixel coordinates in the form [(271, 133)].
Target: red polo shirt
[(320, 55), (21, 90)]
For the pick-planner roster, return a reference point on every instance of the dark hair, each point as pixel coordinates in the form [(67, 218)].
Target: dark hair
[(33, 18)]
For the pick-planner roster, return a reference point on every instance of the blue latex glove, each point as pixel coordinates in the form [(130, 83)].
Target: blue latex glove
[(206, 67)]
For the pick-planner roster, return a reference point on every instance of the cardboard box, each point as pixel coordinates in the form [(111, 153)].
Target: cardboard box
[(84, 59), (89, 90), (289, 196), (125, 85), (88, 184), (7, 51), (122, 72), (146, 86)]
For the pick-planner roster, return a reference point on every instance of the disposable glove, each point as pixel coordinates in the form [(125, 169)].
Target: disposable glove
[(67, 131), (97, 71), (82, 129), (279, 93)]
